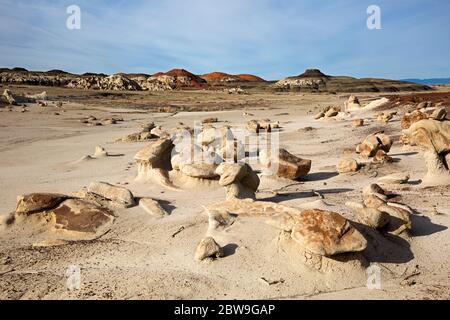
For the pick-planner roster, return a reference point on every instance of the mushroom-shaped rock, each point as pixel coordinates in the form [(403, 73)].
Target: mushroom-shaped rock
[(38, 202), (239, 179), (154, 161), (433, 137), (118, 195), (208, 248), (285, 164), (326, 233)]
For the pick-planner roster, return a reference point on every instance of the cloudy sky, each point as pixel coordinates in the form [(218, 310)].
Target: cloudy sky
[(270, 38)]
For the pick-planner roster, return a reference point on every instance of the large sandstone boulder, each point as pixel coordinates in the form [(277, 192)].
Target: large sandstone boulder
[(326, 233), (76, 219), (433, 137), (285, 164), (119, 195)]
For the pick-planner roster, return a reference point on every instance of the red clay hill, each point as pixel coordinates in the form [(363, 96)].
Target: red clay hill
[(221, 77)]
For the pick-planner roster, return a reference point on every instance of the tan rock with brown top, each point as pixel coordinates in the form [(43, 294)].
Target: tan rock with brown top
[(347, 166), (326, 233)]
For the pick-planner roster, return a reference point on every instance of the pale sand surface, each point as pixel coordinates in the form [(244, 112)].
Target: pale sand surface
[(140, 259)]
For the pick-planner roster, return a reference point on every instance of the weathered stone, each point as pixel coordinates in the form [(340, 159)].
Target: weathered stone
[(400, 219), (100, 152), (208, 248), (357, 123), (411, 118), (285, 164), (200, 170), (373, 143), (38, 202), (396, 178), (326, 233), (382, 157), (76, 215), (239, 179), (371, 217), (439, 114), (152, 207), (119, 195), (347, 166)]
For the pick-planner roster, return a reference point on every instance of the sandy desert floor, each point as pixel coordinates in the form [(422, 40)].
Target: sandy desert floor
[(143, 257)]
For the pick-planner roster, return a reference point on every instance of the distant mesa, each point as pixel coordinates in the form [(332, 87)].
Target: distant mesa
[(18, 69), (314, 80)]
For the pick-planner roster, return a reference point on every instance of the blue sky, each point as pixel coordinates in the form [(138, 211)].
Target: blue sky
[(270, 38)]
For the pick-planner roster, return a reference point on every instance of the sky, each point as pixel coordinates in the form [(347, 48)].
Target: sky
[(270, 38)]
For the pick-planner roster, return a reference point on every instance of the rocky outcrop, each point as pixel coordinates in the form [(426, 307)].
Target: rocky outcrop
[(115, 82)]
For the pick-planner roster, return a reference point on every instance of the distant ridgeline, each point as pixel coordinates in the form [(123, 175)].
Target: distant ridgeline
[(429, 82), (312, 80)]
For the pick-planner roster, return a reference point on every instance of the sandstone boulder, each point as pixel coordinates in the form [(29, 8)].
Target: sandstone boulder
[(152, 207), (239, 179), (347, 166), (326, 233), (118, 195), (38, 202), (357, 123), (200, 170), (411, 118), (373, 143), (285, 164)]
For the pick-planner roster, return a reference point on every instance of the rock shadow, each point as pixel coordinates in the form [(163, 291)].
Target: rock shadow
[(229, 249), (320, 176), (422, 226)]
